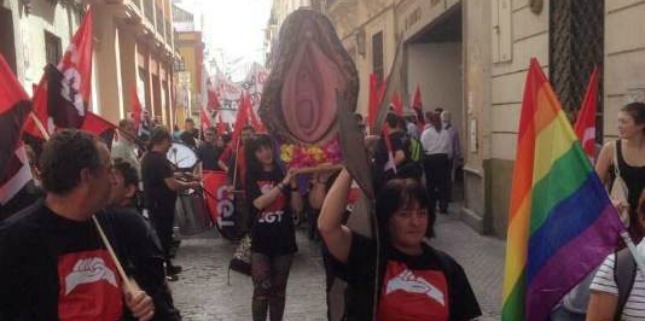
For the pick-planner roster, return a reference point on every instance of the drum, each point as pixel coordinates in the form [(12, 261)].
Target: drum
[(192, 215), (182, 156)]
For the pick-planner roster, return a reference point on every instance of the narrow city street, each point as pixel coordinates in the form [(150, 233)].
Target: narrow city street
[(203, 292)]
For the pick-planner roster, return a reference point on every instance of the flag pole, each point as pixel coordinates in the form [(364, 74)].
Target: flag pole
[(40, 126), (130, 285)]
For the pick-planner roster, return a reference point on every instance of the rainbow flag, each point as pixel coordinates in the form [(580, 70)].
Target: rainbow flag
[(561, 221)]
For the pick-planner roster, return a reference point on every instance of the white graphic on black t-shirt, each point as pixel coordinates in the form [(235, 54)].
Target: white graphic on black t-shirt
[(408, 282), (88, 271), (275, 211)]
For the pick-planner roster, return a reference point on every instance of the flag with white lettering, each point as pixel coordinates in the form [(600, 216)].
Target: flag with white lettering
[(62, 97)]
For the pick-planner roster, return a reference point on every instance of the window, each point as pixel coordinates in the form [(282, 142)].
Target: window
[(576, 29), (53, 48), (377, 54)]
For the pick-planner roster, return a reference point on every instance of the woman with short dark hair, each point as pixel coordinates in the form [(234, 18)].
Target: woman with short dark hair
[(396, 275)]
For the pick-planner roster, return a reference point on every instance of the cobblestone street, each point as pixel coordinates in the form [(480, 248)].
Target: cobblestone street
[(203, 293)]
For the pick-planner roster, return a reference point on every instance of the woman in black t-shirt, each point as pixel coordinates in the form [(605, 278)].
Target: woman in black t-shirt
[(272, 196), (398, 277)]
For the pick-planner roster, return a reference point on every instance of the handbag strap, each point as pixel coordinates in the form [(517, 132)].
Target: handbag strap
[(616, 163)]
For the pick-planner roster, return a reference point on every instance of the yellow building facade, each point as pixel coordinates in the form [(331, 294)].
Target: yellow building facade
[(134, 50), (191, 49)]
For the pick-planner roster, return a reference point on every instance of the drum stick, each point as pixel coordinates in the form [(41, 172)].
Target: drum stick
[(237, 150)]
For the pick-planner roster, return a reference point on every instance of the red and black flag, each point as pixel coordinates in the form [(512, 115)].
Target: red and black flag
[(62, 97), (96, 125), (15, 106)]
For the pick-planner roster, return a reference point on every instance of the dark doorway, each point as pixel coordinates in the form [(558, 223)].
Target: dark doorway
[(7, 41), (577, 29), (435, 65)]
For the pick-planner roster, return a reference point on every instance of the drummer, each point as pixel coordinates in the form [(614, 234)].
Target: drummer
[(209, 152), (160, 190)]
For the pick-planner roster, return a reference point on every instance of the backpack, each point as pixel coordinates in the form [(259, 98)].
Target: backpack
[(413, 165), (624, 275), (415, 150)]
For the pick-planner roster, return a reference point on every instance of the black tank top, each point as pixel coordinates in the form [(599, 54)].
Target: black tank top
[(634, 177)]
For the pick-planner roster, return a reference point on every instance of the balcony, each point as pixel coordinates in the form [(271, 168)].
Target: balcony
[(168, 34), (159, 25), (148, 11)]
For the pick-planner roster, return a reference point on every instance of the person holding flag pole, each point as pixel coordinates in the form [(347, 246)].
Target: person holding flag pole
[(56, 245)]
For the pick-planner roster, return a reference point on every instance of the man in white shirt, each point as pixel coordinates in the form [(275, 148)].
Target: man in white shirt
[(437, 146), (125, 147)]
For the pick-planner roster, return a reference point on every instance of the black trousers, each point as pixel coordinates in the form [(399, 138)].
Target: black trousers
[(438, 169), (162, 221)]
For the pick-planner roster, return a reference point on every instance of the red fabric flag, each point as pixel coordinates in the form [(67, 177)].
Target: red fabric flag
[(14, 108), (213, 100), (241, 120), (205, 118), (95, 124), (136, 110), (397, 105), (219, 200), (74, 86), (377, 90), (221, 126), (255, 120), (586, 121), (417, 105)]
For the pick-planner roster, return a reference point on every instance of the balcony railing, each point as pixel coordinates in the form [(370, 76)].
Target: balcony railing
[(159, 25), (168, 35), (148, 10)]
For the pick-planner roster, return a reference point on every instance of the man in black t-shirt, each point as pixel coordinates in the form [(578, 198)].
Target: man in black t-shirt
[(54, 265), (160, 189), (209, 153), (136, 243)]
